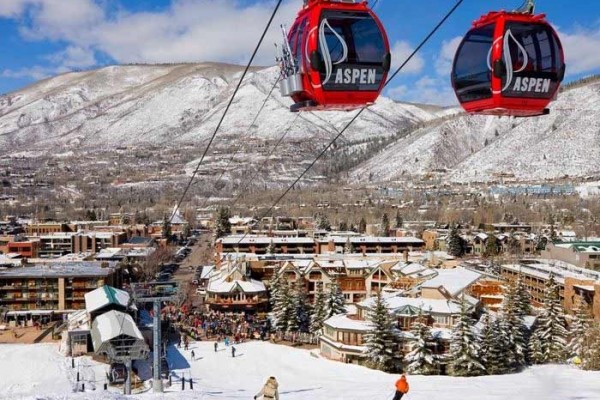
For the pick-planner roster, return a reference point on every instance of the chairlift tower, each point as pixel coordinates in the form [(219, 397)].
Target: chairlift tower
[(156, 293)]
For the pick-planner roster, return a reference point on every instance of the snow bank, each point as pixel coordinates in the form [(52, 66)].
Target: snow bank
[(38, 371)]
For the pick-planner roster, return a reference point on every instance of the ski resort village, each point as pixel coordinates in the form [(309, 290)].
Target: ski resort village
[(221, 303), (300, 199)]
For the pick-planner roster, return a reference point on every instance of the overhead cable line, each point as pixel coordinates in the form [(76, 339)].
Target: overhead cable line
[(355, 117), (238, 148), (264, 163), (187, 188)]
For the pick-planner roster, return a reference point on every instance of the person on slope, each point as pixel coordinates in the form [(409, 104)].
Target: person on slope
[(401, 387), (270, 390)]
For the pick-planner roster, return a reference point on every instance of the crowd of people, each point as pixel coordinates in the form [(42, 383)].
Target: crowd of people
[(229, 327)]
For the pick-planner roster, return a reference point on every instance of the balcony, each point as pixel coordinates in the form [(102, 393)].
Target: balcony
[(219, 301)]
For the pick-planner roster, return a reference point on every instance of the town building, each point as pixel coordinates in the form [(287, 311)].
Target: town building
[(581, 254), (578, 287), (52, 288), (437, 302), (232, 289)]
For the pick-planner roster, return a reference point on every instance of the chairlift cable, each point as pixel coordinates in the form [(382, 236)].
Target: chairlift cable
[(264, 163), (358, 113), (238, 148), (264, 33)]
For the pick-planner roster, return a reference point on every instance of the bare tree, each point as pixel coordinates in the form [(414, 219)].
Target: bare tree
[(152, 264)]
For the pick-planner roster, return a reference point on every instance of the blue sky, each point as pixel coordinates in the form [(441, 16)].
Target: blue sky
[(41, 38)]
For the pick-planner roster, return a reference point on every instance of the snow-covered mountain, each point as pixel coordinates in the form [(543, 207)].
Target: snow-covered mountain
[(479, 148), (121, 105), (169, 105)]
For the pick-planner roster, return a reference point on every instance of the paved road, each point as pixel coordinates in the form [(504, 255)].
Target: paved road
[(202, 254)]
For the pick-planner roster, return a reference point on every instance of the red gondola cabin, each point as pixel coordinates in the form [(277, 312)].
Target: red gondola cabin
[(509, 63), (336, 56)]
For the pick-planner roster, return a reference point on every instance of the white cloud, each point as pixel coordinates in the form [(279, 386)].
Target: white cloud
[(400, 52), (188, 30), (35, 73), (13, 8), (426, 90), (74, 57), (443, 62), (582, 50)]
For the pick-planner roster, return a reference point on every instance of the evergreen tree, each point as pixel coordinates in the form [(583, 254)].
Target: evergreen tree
[(319, 311), (166, 228), (590, 351), (186, 232), (381, 340), (271, 247), (486, 338), (301, 306), (541, 243), (222, 225), (420, 359), (274, 289), (464, 347), (362, 225), (522, 298), (385, 225), (455, 243), (137, 217), (90, 215), (335, 300), (551, 326), (580, 325), (536, 352), (343, 226), (349, 247), (284, 307), (323, 222), (516, 332), (491, 246), (497, 351), (399, 221)]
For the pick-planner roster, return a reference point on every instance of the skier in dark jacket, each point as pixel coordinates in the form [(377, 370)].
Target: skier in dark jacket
[(216, 345), (233, 351)]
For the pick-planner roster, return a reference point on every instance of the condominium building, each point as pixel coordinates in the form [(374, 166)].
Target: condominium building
[(55, 286)]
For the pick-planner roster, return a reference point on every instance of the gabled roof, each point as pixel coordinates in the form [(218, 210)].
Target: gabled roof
[(453, 280), (111, 325), (386, 269), (104, 296), (401, 305)]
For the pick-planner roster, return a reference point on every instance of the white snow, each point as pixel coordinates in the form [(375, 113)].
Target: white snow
[(479, 148), (453, 280), (38, 371)]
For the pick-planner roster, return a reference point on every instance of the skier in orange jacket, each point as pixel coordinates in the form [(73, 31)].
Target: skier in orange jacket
[(401, 387)]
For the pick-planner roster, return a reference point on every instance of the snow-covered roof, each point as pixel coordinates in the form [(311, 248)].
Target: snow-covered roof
[(236, 220), (111, 325), (206, 271), (56, 269), (542, 268), (109, 252), (79, 321), (399, 304), (342, 322), (104, 296), (408, 268), (371, 239), (453, 280), (230, 278), (252, 239), (361, 264)]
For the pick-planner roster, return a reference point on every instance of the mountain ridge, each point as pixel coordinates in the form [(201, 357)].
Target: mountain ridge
[(174, 104)]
